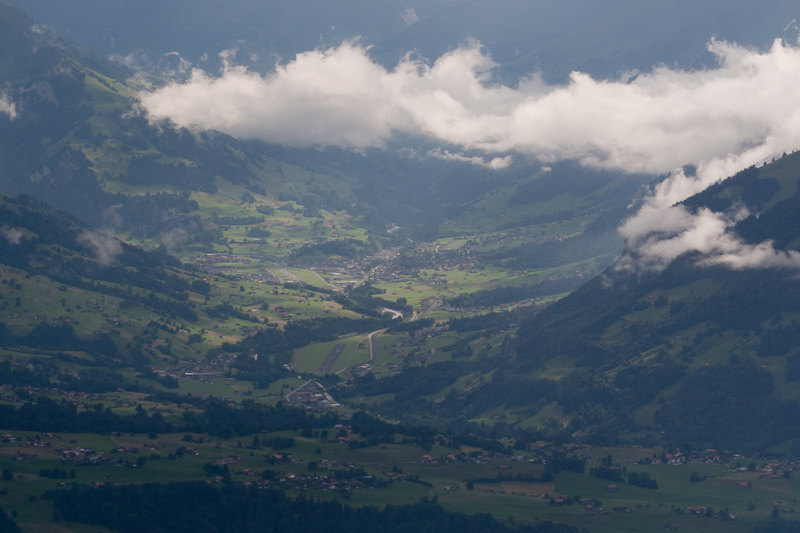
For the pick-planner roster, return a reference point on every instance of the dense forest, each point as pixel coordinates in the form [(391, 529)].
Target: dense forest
[(190, 507)]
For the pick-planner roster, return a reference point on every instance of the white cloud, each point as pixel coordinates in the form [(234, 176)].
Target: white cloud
[(661, 230), (495, 163), (721, 120), (12, 235), (174, 63), (655, 122), (8, 107), (410, 16), (658, 234), (131, 61)]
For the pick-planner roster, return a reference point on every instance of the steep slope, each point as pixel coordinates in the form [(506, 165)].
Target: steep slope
[(71, 125), (704, 354), (67, 288), (72, 137)]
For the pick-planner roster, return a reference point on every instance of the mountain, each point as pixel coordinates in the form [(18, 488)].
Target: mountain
[(704, 354), (693, 356), (77, 140), (604, 38), (338, 314), (72, 289), (618, 360), (151, 32), (70, 131), (74, 140)]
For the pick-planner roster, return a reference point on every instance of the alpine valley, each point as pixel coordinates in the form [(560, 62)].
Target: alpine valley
[(210, 331)]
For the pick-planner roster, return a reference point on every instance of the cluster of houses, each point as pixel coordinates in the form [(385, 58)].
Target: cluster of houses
[(702, 510), (678, 458), (772, 470), (279, 458), (201, 369), (35, 441), (410, 342), (83, 456), (71, 396), (127, 449), (53, 319), (394, 271), (438, 460), (311, 395), (344, 485), (329, 482), (360, 370)]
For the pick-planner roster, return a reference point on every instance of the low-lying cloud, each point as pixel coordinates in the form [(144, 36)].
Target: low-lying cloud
[(12, 235), (654, 122), (657, 235), (661, 230), (721, 120), (496, 163), (103, 243)]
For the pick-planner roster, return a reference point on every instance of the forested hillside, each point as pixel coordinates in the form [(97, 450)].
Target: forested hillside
[(705, 354)]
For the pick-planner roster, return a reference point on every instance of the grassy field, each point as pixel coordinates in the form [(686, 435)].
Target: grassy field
[(628, 508), (309, 359)]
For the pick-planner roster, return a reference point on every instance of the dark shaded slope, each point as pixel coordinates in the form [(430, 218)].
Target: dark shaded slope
[(734, 333)]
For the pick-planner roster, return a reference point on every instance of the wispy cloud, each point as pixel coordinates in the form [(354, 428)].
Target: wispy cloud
[(7, 107), (410, 16), (105, 246), (495, 163), (174, 239)]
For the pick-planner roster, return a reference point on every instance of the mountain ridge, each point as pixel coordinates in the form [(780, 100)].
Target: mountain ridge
[(573, 349)]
